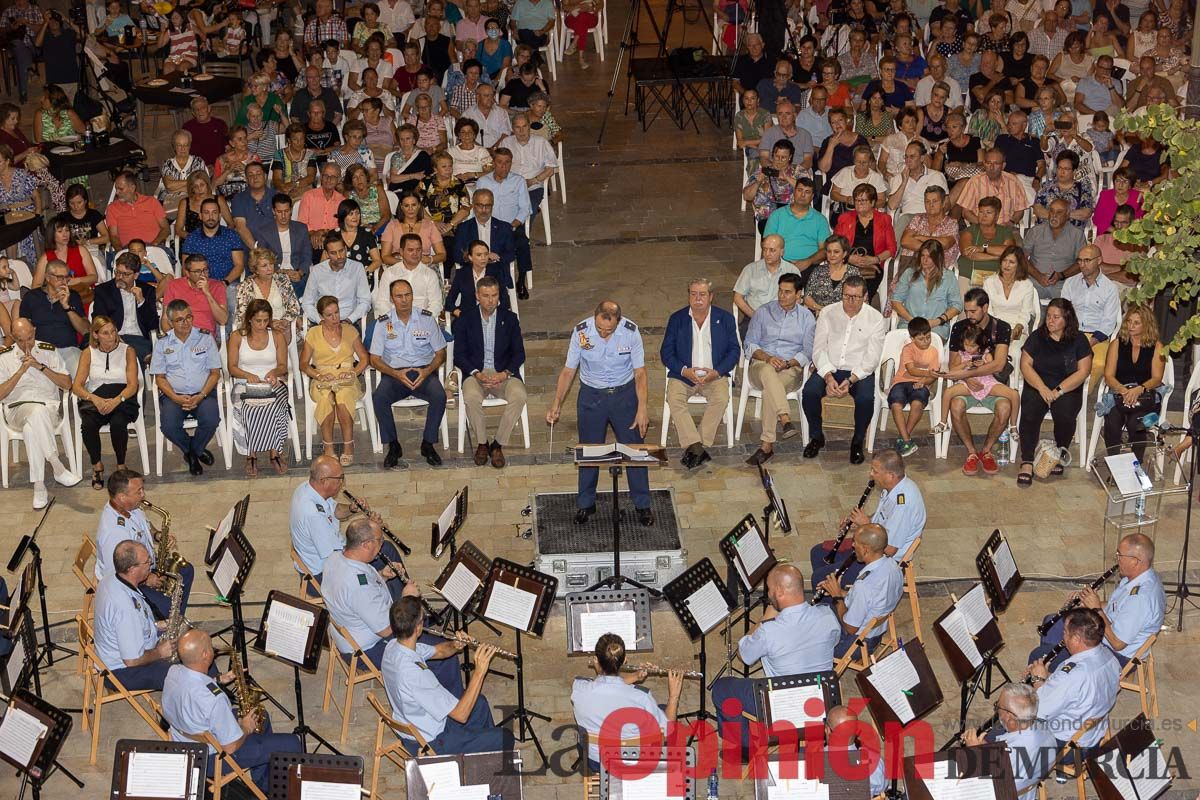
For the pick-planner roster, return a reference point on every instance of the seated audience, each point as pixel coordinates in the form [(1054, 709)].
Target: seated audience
[(824, 284), (1014, 298), (772, 183), (260, 406), (341, 278), (333, 358), (1065, 186), (1052, 247), (802, 227), (207, 300), (186, 366), (928, 290), (1133, 377), (869, 231), (916, 371), (108, 385), (129, 305)]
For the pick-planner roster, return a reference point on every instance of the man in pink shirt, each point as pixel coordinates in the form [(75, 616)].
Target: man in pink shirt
[(134, 216), (206, 297), (318, 207), (472, 26)]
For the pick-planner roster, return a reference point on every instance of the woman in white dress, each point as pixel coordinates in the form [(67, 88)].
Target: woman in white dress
[(1011, 294), (258, 364)]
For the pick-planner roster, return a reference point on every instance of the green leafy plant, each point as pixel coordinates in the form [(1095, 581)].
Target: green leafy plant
[(1171, 225)]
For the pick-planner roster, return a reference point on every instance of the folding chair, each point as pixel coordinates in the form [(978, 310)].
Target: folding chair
[(857, 657), (909, 568), (1071, 762), (87, 577), (699, 401), (893, 344), (357, 669), (395, 752), (307, 580), (220, 778), (1141, 667), (8, 435), (591, 780), (1098, 421), (488, 402)]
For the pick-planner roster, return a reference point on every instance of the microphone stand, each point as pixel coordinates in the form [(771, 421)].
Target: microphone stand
[(1183, 592)]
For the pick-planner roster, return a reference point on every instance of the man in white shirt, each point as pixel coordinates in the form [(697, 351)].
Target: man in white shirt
[(1097, 304), (937, 74), (846, 349), (759, 282), (906, 190), (426, 284), (533, 158), (492, 119), (396, 16)]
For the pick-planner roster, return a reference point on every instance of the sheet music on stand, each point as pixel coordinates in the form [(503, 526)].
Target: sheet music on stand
[(967, 632), (461, 581), (292, 630), (19, 600), (699, 598), (625, 612), (500, 772), (234, 518), (797, 699), (32, 733), (998, 570), (961, 773), (900, 687), (785, 780), (153, 769), (314, 776), (1131, 764), (668, 780), (746, 550), (518, 596), (449, 522), (234, 559), (18, 668)]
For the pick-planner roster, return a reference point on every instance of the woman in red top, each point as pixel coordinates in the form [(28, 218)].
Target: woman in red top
[(869, 231), (61, 246)]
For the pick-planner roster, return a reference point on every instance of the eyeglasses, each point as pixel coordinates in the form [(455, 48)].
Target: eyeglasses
[(1119, 554), (998, 708), (338, 478), (846, 296)]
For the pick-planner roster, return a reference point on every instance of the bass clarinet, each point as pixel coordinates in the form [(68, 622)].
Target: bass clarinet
[(401, 546), (819, 593), (862, 501), (1074, 602)]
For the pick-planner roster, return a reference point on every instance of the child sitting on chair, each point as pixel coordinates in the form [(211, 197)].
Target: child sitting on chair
[(915, 373), (977, 350)]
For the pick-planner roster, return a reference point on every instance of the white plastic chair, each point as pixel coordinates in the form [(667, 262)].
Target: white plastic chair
[(158, 257), (373, 378), (1081, 431), (293, 429), (558, 181), (9, 434), (161, 444), (755, 392), (488, 402), (893, 343), (546, 211), (568, 36), (1102, 387), (137, 428), (1106, 173), (942, 443), (699, 401)]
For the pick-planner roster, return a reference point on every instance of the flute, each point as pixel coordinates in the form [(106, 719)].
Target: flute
[(401, 546), (1046, 659), (819, 593), (655, 670), (468, 640), (862, 501), (1074, 602)]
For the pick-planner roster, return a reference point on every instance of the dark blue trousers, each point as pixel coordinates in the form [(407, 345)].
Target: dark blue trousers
[(820, 570), (1052, 637), (521, 233), (741, 690), (254, 755), (391, 390), (207, 416), (597, 409), (863, 393), (478, 734), (161, 603), (148, 676)]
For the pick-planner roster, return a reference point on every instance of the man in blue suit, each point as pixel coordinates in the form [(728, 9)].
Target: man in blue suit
[(489, 351), (288, 240), (700, 350), (481, 225)]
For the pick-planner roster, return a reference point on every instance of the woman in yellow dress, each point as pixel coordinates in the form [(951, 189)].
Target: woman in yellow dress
[(334, 359)]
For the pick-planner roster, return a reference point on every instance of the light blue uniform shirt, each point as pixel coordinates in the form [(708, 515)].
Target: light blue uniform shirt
[(606, 363), (186, 365), (316, 532), (800, 640), (411, 344), (357, 598), (595, 699), (125, 627), (1025, 751), (489, 340), (1084, 687), (874, 593), (413, 691), (1136, 610), (786, 334), (348, 285), (115, 528), (194, 704), (510, 196), (901, 513)]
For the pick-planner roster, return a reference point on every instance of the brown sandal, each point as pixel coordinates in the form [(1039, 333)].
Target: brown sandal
[(251, 467), (277, 461)]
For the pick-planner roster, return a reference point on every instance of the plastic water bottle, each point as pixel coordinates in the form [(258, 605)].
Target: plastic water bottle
[(712, 785), (1002, 447), (87, 136), (1139, 506)]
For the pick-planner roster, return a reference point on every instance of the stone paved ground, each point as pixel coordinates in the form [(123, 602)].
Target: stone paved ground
[(645, 212)]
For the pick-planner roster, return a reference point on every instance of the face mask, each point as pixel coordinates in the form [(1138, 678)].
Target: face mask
[(493, 34)]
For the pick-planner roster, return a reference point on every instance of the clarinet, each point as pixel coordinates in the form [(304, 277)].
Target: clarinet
[(980, 731), (1046, 659), (862, 501), (819, 593), (1074, 602), (402, 573), (401, 546)]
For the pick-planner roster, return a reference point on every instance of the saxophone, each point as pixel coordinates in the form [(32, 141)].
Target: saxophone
[(176, 623), (167, 562), (247, 698)]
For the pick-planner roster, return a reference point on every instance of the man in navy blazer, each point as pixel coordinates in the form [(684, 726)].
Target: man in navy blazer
[(489, 350), (700, 350), (270, 236), (481, 225), (110, 299)]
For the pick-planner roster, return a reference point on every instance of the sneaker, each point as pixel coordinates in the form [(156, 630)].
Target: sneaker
[(909, 447), (971, 465), (988, 462), (898, 445)]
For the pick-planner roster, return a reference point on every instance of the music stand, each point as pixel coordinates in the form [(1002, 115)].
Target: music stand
[(921, 696), (701, 602), (675, 766), (520, 597), (29, 543), (775, 504), (38, 761), (839, 787), (235, 518), (145, 769), (448, 524), (22, 661), (288, 773), (287, 647), (501, 771), (970, 637), (615, 456), (748, 555), (1130, 765), (461, 585), (624, 611), (998, 570), (958, 772), (790, 698)]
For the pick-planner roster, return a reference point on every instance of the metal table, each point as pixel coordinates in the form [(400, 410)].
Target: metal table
[(111, 156)]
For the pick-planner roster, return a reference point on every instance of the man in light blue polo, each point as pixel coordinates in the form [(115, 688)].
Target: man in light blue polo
[(186, 366), (876, 593), (803, 228), (126, 636), (607, 351)]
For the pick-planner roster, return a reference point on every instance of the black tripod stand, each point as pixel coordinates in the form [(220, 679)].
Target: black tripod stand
[(29, 543), (523, 731), (982, 679), (1182, 593), (617, 580)]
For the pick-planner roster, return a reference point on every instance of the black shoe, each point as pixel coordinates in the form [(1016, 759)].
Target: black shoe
[(760, 457), (688, 460), (431, 455), (206, 458), (790, 429), (393, 455), (813, 448), (522, 292), (646, 516), (193, 464), (856, 451), (582, 514), (699, 460)]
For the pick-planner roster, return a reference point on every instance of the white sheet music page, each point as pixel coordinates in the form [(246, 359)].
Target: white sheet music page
[(651, 787), (476, 791), (439, 773), (955, 624), (197, 784), (225, 573), (16, 660), (20, 733), (320, 790), (1149, 773), (157, 775), (1006, 567), (459, 587), (447, 516), (943, 787), (791, 704), (708, 606), (751, 551), (798, 788), (510, 606), (594, 624), (891, 677), (222, 530), (974, 608), (287, 631)]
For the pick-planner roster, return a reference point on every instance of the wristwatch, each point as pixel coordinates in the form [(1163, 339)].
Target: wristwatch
[(985, 247)]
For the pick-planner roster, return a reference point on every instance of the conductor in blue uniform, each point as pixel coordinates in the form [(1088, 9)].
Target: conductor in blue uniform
[(607, 351)]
